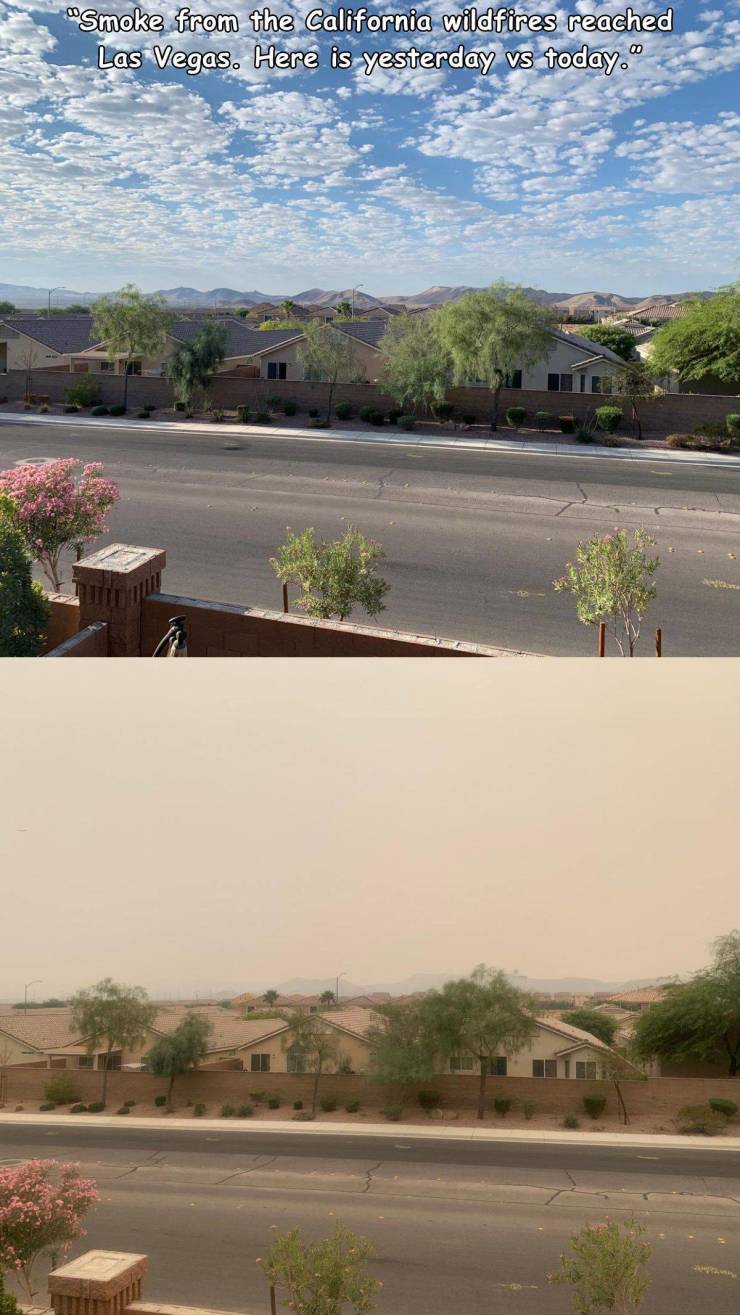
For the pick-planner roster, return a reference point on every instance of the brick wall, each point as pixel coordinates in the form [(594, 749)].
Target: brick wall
[(64, 619), (223, 630), (655, 1096), (92, 641), (675, 412)]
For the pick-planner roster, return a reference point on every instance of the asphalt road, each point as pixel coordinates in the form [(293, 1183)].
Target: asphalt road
[(450, 1234), (473, 539)]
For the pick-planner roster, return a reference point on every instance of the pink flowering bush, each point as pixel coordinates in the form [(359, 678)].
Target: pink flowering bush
[(54, 509), (606, 1270), (42, 1205)]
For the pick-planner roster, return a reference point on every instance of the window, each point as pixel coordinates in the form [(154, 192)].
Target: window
[(544, 1068), (260, 1063), (461, 1064), (296, 1060), (84, 1061), (566, 383), (582, 378), (585, 1068), (498, 1066), (514, 380), (595, 383), (134, 367), (112, 1062), (553, 383), (277, 369), (106, 367)]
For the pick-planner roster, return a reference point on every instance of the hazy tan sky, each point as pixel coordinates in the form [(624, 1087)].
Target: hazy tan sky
[(203, 825)]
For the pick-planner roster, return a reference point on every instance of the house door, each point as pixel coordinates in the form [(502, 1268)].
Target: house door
[(3, 357)]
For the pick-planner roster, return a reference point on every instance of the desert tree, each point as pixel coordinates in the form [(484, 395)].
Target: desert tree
[(417, 366), (698, 1019), (315, 1043), (612, 582), (334, 575), (192, 364), (128, 323), (594, 1021), (111, 1016), (706, 341), (330, 357), (180, 1051)]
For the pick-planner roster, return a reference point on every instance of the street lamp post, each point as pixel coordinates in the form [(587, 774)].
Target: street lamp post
[(36, 981), (48, 310), (357, 285), (336, 992)]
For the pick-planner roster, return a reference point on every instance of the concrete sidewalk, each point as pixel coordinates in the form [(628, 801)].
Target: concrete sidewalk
[(455, 442), (397, 1131)]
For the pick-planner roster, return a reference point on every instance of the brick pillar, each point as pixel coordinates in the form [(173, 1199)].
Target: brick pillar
[(111, 585), (98, 1283)]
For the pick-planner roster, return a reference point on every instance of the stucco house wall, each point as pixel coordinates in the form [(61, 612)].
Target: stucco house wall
[(19, 352)]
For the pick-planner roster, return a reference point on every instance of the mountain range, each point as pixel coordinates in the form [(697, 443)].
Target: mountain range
[(429, 981), (192, 298)]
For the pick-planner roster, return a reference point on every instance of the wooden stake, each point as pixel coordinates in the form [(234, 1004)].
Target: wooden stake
[(285, 598), (659, 642), (602, 638)]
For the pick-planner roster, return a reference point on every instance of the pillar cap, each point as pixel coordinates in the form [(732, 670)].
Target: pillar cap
[(97, 1274), (124, 561)]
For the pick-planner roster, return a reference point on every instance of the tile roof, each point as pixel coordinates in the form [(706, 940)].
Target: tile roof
[(40, 1028), (369, 332), (571, 1033), (585, 344), (63, 333), (660, 311), (230, 1032), (644, 995), (357, 1020)]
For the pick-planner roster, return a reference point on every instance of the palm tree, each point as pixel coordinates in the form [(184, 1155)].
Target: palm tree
[(270, 997), (287, 307), (327, 998)]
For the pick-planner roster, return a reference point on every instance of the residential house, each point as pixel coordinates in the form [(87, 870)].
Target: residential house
[(33, 343)]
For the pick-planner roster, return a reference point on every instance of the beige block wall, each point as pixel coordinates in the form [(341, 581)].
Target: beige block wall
[(13, 1051), (369, 362), (660, 1097)]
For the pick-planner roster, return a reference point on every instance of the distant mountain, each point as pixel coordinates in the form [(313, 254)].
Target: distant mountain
[(183, 298), (428, 981)]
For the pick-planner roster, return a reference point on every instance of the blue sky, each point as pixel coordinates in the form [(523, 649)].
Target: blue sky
[(252, 179)]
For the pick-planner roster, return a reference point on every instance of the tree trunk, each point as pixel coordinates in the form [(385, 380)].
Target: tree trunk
[(316, 1077), (169, 1092), (125, 382), (482, 1089), (330, 399), (104, 1088), (494, 413)]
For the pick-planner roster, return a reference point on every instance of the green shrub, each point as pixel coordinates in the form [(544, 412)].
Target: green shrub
[(245, 1111), (71, 410), (319, 424), (118, 410), (47, 1105), (85, 391), (262, 418), (681, 441), (567, 424), (290, 408), (544, 420), (8, 1303), (530, 1109), (257, 1097), (406, 422), (444, 410), (97, 1106), (571, 1121), (99, 411), (343, 410), (515, 416), (160, 1100), (217, 416), (700, 1119), (244, 415), (199, 1110), (594, 1105), (297, 1104), (78, 1108), (377, 418), (304, 1116), (352, 1106), (502, 1105), (273, 1102), (584, 434), (228, 1111), (328, 1104), (61, 1090), (428, 1099), (394, 415), (179, 406), (393, 1113), (609, 418), (123, 1110), (732, 424), (710, 429), (721, 1105), (469, 419), (274, 402), (24, 608), (366, 413)]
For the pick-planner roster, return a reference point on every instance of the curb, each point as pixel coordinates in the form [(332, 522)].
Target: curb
[(397, 1132), (448, 443)]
